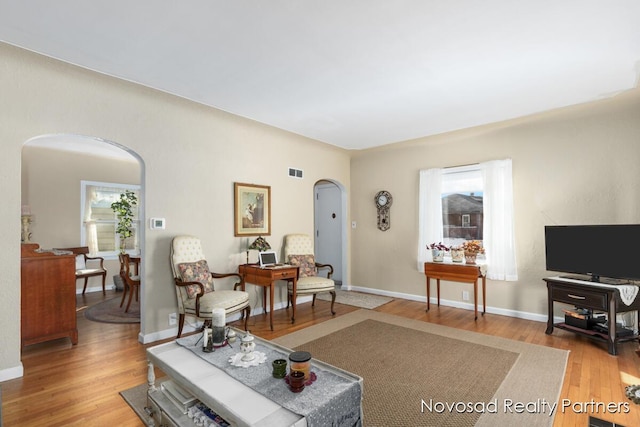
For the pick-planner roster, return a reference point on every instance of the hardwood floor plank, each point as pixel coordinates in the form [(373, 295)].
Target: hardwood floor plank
[(67, 385)]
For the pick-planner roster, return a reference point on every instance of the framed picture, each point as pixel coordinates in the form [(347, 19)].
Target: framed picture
[(252, 205)]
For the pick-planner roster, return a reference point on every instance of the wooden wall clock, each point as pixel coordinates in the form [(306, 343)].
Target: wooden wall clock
[(383, 201)]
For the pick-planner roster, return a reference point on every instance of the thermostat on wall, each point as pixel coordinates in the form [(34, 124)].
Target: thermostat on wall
[(156, 223)]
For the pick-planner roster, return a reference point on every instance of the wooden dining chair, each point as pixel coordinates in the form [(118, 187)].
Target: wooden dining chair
[(130, 278)]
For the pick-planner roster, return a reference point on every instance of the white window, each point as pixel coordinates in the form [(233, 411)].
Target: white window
[(98, 228), (490, 181), (462, 204)]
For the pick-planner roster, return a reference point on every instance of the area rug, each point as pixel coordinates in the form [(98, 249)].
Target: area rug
[(418, 373), (357, 299), (109, 311), (136, 398)]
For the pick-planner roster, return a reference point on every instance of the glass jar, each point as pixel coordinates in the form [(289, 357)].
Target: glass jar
[(300, 361)]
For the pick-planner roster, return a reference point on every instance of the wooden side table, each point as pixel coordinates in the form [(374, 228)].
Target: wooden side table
[(266, 277), (457, 272)]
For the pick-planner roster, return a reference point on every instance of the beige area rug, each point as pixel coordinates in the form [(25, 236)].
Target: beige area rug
[(357, 299), (406, 362)]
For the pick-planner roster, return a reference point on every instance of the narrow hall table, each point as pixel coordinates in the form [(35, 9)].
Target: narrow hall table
[(266, 277), (457, 272)]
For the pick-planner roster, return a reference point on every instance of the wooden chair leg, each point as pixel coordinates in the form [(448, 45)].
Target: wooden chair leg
[(131, 292), (104, 280), (124, 291), (246, 317), (313, 301), (86, 279), (333, 300), (180, 324)]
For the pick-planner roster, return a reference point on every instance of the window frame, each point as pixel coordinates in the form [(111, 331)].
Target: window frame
[(110, 255)]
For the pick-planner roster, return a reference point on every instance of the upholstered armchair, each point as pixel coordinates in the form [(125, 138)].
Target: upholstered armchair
[(194, 284), (299, 251)]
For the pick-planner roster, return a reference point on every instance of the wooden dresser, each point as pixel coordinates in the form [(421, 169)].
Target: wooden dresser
[(48, 299)]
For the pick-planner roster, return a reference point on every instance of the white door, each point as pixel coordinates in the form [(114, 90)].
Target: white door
[(328, 226)]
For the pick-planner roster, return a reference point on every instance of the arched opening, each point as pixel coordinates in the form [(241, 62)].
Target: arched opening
[(54, 168)]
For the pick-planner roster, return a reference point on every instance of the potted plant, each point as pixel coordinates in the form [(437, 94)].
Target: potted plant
[(457, 253), (437, 251), (471, 250), (123, 208)]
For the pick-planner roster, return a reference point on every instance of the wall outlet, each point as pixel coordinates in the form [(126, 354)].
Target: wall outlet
[(465, 295), (173, 319)]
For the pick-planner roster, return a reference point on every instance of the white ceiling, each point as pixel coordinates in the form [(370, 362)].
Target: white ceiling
[(355, 74)]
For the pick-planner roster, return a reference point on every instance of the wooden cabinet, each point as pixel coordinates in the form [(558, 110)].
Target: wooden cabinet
[(48, 298), (593, 296)]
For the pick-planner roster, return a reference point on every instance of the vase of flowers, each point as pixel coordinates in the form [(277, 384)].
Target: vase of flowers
[(471, 250), (457, 253), (437, 251)]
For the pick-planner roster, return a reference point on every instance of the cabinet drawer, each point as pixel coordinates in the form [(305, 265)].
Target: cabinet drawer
[(284, 274), (581, 298)]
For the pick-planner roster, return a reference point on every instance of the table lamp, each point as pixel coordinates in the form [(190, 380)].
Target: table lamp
[(260, 244)]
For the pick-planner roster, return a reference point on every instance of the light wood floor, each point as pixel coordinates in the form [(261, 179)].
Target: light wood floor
[(65, 385)]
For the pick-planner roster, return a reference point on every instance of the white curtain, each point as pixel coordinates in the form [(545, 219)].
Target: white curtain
[(498, 230), (429, 213), (91, 234)]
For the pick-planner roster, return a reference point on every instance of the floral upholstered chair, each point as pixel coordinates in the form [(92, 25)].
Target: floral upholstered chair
[(194, 284), (298, 251)]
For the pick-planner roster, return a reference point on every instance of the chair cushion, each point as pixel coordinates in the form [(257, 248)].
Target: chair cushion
[(90, 271), (312, 285), (196, 272), (307, 264), (230, 301)]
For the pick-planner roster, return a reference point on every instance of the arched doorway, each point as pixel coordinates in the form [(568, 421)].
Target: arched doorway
[(53, 167)]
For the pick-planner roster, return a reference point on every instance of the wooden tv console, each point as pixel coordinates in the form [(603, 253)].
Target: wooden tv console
[(590, 295)]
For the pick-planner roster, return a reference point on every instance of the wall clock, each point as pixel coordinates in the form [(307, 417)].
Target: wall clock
[(383, 201)]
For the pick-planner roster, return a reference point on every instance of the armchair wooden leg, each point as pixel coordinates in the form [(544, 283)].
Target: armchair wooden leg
[(246, 317), (180, 324), (333, 300), (313, 301), (86, 279), (104, 288)]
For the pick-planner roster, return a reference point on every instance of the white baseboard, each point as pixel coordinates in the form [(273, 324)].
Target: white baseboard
[(457, 304), (11, 373)]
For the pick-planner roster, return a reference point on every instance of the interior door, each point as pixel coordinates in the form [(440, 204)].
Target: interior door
[(328, 227)]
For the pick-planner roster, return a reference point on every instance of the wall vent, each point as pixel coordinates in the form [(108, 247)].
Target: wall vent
[(295, 173)]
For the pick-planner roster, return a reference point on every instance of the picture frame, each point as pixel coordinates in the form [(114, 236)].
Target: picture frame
[(252, 210)]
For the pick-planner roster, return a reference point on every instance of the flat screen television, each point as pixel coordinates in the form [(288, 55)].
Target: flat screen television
[(599, 251)]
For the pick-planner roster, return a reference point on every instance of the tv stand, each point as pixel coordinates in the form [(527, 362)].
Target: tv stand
[(595, 296)]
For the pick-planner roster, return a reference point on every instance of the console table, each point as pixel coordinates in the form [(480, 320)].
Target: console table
[(457, 272), (240, 404), (594, 296), (266, 277)]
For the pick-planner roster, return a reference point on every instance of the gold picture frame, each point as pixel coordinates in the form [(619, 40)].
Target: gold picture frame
[(252, 210)]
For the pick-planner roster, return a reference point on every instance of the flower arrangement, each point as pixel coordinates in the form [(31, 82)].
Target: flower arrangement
[(473, 247), (439, 246)]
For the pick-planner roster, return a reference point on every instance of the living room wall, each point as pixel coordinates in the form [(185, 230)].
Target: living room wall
[(51, 187), (190, 157), (577, 165)]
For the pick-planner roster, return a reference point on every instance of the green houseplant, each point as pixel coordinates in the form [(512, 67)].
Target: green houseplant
[(124, 210)]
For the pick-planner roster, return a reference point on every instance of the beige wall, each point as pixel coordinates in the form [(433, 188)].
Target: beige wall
[(191, 155), (51, 187), (574, 166)]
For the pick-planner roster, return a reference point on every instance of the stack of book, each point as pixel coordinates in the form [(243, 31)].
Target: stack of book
[(582, 318)]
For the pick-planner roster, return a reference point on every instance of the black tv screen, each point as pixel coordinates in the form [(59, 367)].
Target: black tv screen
[(607, 251)]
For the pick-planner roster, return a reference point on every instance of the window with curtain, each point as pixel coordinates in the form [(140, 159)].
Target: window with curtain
[(98, 228), (470, 203)]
